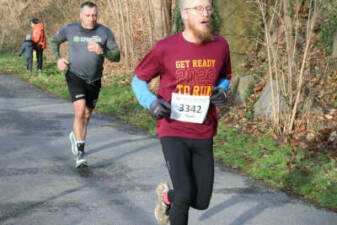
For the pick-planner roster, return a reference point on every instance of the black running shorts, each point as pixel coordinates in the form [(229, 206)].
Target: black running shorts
[(80, 89)]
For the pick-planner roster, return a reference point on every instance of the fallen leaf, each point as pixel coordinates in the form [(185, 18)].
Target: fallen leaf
[(305, 170)]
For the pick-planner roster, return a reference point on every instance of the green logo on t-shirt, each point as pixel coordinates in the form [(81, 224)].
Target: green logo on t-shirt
[(76, 39)]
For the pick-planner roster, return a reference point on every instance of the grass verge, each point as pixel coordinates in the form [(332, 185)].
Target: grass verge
[(312, 177)]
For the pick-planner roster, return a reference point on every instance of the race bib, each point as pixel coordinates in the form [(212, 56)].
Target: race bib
[(188, 108)]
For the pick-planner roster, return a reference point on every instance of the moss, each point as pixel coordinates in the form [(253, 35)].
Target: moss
[(240, 27)]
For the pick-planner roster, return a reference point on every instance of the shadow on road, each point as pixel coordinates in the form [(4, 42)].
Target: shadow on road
[(14, 210), (261, 198)]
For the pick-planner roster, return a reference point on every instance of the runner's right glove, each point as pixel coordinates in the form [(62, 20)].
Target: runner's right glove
[(160, 109), (218, 96)]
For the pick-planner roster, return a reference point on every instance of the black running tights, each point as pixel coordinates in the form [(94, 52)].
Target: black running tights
[(39, 56), (191, 167)]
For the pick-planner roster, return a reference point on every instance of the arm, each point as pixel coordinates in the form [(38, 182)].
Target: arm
[(219, 93), (111, 50), (22, 50), (54, 45), (57, 40), (159, 108), (226, 71), (149, 68), (112, 55), (143, 94), (223, 83)]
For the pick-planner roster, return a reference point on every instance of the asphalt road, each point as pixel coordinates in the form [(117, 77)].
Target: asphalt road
[(40, 186)]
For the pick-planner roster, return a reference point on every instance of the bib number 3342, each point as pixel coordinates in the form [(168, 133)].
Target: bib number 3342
[(188, 108)]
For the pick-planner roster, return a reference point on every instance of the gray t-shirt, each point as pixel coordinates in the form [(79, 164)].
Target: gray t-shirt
[(87, 65)]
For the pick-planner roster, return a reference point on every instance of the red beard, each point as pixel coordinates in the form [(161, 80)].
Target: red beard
[(202, 35)]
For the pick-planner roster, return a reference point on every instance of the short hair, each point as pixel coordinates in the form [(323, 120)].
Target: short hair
[(89, 4), (35, 20), (182, 3)]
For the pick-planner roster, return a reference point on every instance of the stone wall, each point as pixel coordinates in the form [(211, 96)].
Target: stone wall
[(240, 27)]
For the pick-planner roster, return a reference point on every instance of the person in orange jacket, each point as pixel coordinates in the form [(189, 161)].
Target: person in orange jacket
[(39, 41)]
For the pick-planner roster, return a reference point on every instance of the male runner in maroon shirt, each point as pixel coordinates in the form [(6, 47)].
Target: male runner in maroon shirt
[(195, 70)]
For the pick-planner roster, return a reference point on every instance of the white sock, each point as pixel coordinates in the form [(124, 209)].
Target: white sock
[(80, 142)]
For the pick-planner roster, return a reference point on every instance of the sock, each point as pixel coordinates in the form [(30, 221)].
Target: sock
[(80, 145), (165, 198)]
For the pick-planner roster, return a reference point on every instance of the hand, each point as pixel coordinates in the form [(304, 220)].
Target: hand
[(93, 46), (160, 109), (219, 96), (62, 64)]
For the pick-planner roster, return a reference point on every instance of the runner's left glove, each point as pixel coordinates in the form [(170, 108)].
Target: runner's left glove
[(160, 109), (219, 96)]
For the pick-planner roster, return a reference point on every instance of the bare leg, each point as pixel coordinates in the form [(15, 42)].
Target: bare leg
[(82, 116)]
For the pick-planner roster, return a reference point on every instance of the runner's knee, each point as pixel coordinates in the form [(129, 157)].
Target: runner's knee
[(80, 113), (182, 199), (87, 116), (201, 205)]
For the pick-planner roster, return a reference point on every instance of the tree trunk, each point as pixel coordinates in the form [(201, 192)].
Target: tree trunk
[(149, 19), (130, 31), (126, 53), (161, 18)]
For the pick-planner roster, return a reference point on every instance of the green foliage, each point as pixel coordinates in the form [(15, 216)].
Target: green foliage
[(314, 177), (327, 32), (119, 100), (178, 25), (216, 20), (250, 91), (50, 79), (113, 97), (5, 51), (249, 113), (250, 103)]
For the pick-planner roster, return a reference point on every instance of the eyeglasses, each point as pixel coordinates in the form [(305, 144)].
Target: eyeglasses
[(201, 9)]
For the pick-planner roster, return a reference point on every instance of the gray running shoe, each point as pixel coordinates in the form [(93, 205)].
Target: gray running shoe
[(161, 210), (74, 149), (81, 162)]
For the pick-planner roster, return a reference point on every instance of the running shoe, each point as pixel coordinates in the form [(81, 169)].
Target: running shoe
[(81, 162), (74, 149), (162, 209)]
